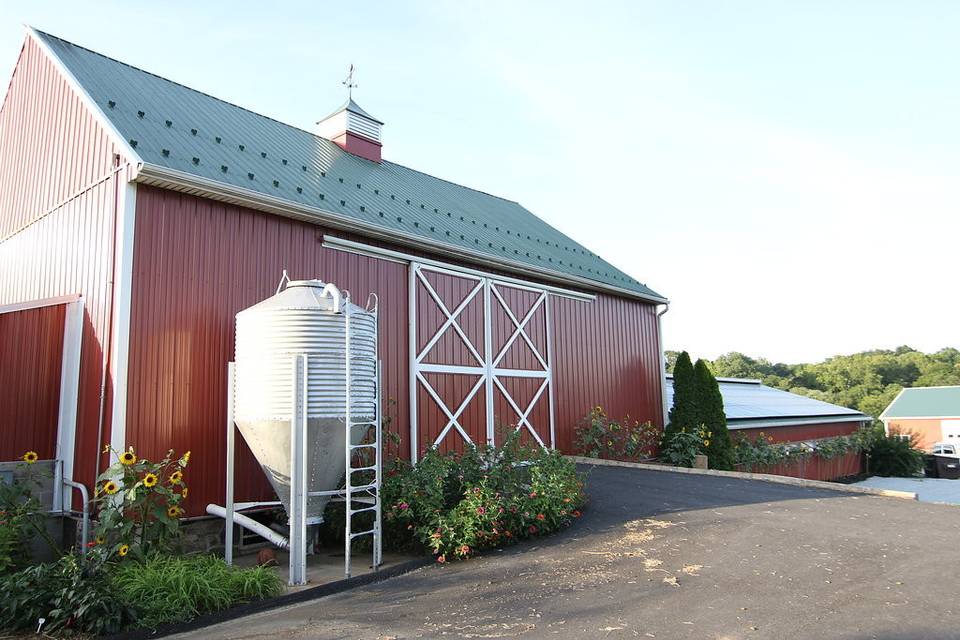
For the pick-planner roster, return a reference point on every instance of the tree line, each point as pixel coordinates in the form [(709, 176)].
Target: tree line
[(867, 381)]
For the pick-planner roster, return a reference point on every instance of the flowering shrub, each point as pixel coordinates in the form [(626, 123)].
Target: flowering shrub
[(139, 504), (488, 496), (762, 453), (597, 436)]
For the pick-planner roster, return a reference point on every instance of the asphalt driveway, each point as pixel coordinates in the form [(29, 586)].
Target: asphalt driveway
[(666, 555)]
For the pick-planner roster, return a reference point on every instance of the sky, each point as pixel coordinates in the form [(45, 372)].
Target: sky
[(786, 173)]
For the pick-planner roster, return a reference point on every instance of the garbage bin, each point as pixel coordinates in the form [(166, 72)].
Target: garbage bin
[(948, 467), (930, 466)]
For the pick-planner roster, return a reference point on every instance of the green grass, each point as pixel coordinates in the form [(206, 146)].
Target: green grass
[(171, 589)]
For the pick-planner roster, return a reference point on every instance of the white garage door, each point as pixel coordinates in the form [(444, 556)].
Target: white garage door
[(950, 430)]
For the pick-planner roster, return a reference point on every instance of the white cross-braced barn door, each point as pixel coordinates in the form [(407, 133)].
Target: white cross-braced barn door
[(480, 360)]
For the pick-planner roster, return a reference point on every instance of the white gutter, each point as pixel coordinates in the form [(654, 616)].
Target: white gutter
[(786, 421), (188, 183)]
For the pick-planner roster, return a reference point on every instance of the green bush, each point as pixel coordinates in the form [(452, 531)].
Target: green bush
[(68, 594), (683, 447), (597, 436), (710, 415), (896, 456), (170, 589), (488, 496)]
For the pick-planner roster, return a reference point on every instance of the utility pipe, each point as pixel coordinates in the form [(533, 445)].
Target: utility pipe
[(252, 525), (85, 523), (663, 366)]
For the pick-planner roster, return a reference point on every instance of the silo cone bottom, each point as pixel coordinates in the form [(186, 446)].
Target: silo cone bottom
[(269, 440)]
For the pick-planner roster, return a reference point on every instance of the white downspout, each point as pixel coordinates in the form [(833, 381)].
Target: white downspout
[(663, 365)]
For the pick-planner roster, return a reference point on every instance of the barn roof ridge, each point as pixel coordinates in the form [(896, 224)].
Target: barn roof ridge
[(154, 113)]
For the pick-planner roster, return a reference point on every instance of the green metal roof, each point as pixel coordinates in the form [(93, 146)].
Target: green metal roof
[(925, 402), (177, 128)]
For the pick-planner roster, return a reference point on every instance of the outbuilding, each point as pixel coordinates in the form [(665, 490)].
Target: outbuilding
[(755, 410), (138, 216), (932, 414)]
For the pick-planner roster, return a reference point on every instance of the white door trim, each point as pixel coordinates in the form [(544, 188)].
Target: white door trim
[(488, 373)]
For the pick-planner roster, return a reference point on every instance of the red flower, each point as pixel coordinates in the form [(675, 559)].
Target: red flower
[(575, 513), (403, 506), (464, 550), (541, 517), (481, 510), (508, 534), (533, 494), (441, 559), (532, 529)]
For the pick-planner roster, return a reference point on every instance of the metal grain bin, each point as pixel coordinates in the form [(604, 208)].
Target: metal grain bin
[(307, 317)]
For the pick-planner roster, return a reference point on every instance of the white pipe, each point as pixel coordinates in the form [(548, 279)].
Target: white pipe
[(85, 497), (663, 366), (247, 523)]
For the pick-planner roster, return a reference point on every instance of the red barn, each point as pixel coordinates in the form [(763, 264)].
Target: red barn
[(159, 212)]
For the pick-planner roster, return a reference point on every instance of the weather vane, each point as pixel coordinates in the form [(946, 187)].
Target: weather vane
[(349, 83)]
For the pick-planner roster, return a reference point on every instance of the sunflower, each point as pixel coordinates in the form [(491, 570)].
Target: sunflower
[(185, 460), (184, 492), (173, 511), (176, 477), (149, 480), (123, 550), (110, 487), (99, 539), (128, 458), (30, 457)]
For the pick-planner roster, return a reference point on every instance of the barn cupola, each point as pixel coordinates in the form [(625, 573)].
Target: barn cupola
[(352, 128)]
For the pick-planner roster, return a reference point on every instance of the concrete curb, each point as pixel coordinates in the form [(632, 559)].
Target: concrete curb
[(741, 475)]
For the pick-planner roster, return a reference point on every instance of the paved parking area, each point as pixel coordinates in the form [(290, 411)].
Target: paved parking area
[(934, 490), (666, 555)]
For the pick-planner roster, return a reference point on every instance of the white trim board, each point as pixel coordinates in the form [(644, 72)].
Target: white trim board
[(38, 304), (122, 301), (350, 246), (69, 401)]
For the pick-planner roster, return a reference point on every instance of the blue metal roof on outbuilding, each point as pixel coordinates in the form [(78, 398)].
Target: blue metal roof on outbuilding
[(747, 402), (177, 128)]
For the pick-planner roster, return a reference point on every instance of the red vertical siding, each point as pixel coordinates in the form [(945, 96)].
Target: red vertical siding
[(51, 150), (50, 146), (31, 350), (196, 264), (605, 353)]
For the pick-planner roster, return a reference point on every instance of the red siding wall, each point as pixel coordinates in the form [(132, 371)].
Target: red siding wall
[(50, 147), (605, 353), (31, 350), (813, 468), (198, 262), (50, 150)]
